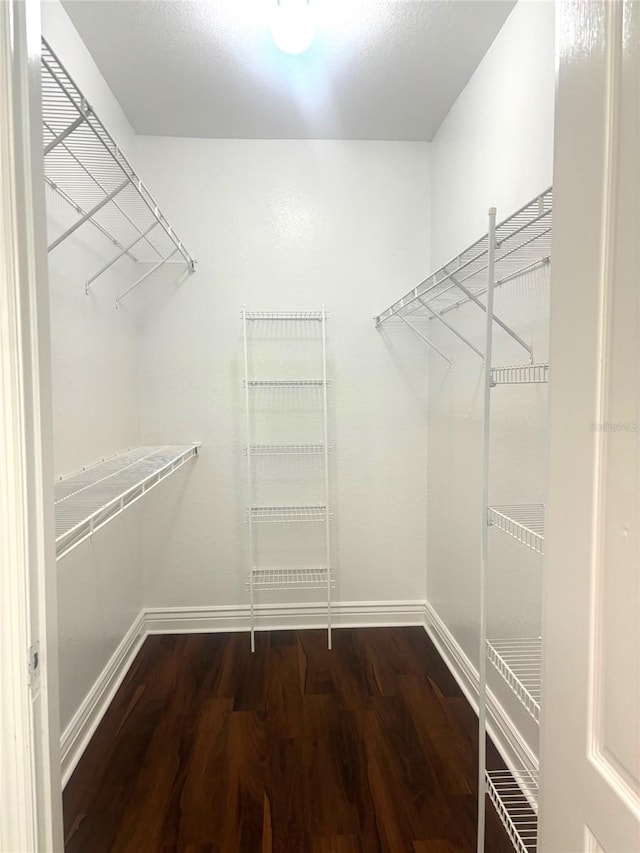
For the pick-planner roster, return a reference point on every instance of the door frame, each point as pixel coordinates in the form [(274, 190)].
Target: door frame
[(30, 787)]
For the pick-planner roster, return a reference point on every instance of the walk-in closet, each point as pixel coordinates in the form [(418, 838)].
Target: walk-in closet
[(321, 395)]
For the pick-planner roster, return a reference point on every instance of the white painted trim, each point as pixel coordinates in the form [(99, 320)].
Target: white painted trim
[(86, 719), (199, 620), (346, 614), (30, 790), (506, 737)]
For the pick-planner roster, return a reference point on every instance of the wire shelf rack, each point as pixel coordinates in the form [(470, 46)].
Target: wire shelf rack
[(519, 662), (314, 577), (86, 501), (285, 315), (522, 244), (524, 522), (84, 165), (281, 514), (285, 449), (515, 798), (286, 383), (520, 374), (523, 241)]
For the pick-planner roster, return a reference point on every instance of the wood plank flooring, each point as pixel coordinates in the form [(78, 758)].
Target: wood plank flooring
[(207, 748)]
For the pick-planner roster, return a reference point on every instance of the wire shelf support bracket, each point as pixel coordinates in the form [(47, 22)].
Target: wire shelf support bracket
[(85, 166)]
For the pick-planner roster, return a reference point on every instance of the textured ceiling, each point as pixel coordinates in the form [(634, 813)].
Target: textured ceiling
[(209, 68)]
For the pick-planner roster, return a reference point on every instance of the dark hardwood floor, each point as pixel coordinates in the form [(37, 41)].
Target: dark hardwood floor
[(206, 747)]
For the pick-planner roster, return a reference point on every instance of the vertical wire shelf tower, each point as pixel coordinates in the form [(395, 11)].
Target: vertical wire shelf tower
[(281, 392)]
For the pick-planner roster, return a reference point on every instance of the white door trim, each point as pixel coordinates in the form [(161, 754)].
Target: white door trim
[(30, 791)]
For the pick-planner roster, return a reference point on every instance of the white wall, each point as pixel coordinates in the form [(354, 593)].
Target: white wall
[(494, 149), (287, 225), (95, 403)]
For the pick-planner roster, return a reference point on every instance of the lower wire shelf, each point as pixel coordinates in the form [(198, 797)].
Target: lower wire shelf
[(524, 522), (86, 501), (312, 577), (519, 662), (515, 799)]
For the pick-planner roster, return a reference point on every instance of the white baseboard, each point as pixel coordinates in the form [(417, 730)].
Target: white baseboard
[(344, 614), (85, 721), (507, 739), (184, 620)]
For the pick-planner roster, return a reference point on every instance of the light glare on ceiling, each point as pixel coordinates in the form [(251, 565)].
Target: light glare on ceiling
[(292, 25)]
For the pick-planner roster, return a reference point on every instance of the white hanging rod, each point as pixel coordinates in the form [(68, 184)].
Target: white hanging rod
[(425, 339), (85, 166)]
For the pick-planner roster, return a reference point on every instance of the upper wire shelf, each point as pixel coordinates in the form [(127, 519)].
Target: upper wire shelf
[(520, 374), (84, 165), (86, 501), (286, 315), (515, 798), (519, 662), (523, 243), (524, 522)]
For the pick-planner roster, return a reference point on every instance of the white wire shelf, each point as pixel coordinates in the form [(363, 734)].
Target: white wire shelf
[(524, 522), (286, 383), (285, 449), (281, 514), (519, 662), (515, 798), (86, 501), (523, 243), (314, 577), (84, 165), (286, 315), (520, 374)]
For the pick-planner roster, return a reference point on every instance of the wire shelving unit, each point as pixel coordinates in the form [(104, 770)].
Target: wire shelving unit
[(89, 499), (519, 662), (520, 374), (518, 245), (515, 799), (86, 168), (523, 522), (286, 324)]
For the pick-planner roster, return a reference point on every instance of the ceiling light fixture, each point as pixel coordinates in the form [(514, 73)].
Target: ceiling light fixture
[(292, 26)]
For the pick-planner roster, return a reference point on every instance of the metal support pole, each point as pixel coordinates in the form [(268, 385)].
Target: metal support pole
[(326, 473), (425, 339), (90, 213), (452, 329), (59, 138), (475, 299), (484, 538), (143, 277), (124, 251), (249, 473)]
